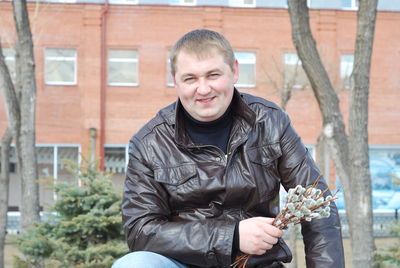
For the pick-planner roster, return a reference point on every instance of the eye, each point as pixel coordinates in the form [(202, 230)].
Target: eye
[(214, 75), (188, 79)]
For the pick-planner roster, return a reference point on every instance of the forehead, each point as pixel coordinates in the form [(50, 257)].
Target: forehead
[(193, 61)]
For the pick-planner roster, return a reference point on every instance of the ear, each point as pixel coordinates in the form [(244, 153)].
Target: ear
[(235, 71), (173, 79)]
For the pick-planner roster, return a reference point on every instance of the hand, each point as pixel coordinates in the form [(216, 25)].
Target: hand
[(257, 235)]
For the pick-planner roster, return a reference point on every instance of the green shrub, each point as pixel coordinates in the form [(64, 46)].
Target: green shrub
[(83, 229), (390, 256)]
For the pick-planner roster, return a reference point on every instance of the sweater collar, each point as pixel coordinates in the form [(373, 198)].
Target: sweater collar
[(243, 119)]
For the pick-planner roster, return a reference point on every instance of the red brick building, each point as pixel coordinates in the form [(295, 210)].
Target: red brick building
[(104, 67)]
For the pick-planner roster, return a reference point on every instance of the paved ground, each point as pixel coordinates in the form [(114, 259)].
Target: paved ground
[(11, 250), (379, 242)]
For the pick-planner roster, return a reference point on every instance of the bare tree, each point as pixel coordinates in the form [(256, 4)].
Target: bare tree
[(20, 102), (349, 152), (290, 79), (4, 186)]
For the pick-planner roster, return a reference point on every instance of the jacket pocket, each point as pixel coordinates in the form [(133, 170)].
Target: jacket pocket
[(265, 155), (264, 169), (182, 184), (175, 175)]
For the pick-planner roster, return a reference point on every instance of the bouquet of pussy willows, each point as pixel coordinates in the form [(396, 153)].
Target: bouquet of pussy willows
[(302, 204)]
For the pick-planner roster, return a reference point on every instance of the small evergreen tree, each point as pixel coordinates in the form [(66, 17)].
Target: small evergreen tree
[(83, 229)]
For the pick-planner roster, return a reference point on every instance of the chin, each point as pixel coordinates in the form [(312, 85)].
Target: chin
[(208, 118)]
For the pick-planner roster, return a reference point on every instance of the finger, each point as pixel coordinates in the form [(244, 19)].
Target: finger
[(266, 220), (270, 239), (265, 246), (273, 231), (260, 252)]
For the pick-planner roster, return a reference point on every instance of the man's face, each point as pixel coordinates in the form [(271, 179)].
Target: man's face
[(204, 86)]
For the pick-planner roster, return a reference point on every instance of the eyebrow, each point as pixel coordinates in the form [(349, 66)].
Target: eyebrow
[(214, 70), (192, 74)]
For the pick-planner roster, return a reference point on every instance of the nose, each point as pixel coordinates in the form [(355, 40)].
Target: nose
[(203, 87)]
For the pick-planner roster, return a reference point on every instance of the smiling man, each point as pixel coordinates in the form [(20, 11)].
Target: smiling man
[(203, 178)]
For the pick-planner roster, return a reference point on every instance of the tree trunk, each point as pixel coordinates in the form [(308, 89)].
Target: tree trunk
[(286, 94), (20, 100), (362, 237), (346, 152), (322, 156), (4, 189), (28, 166)]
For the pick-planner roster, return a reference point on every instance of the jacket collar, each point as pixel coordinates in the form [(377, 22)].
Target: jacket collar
[(244, 120)]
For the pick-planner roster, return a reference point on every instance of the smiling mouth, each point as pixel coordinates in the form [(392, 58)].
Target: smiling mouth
[(207, 100)]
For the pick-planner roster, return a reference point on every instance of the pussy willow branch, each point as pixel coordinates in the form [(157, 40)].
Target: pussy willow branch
[(282, 222)]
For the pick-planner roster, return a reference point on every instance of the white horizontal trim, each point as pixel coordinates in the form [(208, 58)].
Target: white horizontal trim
[(56, 58), (61, 83), (124, 84)]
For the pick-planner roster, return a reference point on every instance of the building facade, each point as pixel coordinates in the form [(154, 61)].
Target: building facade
[(102, 72)]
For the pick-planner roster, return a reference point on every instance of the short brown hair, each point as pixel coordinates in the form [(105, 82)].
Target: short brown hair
[(201, 42)]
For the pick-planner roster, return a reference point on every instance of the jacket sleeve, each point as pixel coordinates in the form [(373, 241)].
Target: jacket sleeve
[(149, 225), (322, 237)]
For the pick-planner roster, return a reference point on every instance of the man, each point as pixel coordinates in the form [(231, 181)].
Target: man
[(203, 177)]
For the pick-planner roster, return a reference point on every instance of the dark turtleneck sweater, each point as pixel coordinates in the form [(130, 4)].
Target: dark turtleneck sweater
[(213, 133), (210, 133)]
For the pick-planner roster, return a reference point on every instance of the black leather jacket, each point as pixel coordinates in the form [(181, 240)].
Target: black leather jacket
[(183, 200)]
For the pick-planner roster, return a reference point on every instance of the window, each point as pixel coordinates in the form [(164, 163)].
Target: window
[(170, 80), (115, 159), (346, 68), (385, 176), (188, 2), (60, 66), (67, 1), (53, 159), (349, 4), (9, 57), (122, 67), (384, 164), (183, 2), (12, 167), (242, 3), (294, 75), (385, 168), (124, 2), (247, 69)]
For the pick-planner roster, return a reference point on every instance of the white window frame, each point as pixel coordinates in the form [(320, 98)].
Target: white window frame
[(299, 66), (342, 71), (56, 58), (124, 2), (247, 61), (126, 146), (65, 1), (354, 5), (183, 3), (131, 60), (385, 148), (240, 3), (8, 59), (55, 153)]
